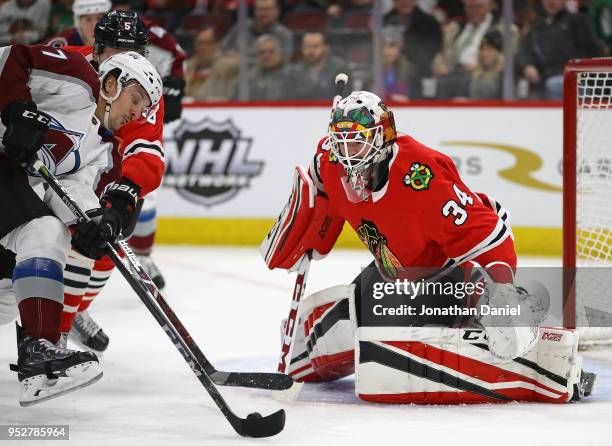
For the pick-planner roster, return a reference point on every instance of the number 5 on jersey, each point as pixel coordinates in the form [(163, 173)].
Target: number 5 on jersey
[(451, 207)]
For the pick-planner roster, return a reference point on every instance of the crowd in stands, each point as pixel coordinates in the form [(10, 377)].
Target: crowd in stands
[(432, 49)]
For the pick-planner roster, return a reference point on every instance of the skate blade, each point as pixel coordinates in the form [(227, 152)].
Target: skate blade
[(42, 388)]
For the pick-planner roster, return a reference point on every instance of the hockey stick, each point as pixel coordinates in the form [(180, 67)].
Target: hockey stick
[(300, 283), (254, 425), (292, 319)]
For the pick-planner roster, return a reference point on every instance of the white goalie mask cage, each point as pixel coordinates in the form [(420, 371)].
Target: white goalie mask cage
[(361, 133)]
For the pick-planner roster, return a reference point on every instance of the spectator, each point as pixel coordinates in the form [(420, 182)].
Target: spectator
[(86, 14), (459, 55), (486, 79), (167, 13), (23, 21), (398, 72), (556, 37), (210, 76), (61, 16), (422, 35), (462, 39), (269, 79), (313, 78), (601, 11), (265, 21)]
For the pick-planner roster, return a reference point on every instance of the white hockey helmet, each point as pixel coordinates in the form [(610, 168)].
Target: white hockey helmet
[(361, 132), (86, 7), (130, 66)]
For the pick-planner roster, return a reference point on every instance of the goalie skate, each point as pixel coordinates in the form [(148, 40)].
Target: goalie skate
[(87, 334), (46, 371)]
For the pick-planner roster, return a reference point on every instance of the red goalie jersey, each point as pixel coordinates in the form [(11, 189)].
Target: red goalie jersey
[(423, 216), (140, 146)]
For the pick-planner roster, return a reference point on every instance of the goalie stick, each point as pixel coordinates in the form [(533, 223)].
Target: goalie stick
[(340, 81), (254, 425)]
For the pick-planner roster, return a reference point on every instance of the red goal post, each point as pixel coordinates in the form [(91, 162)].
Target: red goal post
[(587, 194)]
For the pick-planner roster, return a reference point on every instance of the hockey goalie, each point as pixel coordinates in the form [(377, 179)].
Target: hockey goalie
[(412, 326)]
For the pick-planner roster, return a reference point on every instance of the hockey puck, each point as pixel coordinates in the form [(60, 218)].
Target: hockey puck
[(254, 416)]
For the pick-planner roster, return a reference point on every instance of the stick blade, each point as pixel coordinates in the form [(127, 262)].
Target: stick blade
[(268, 381), (256, 426), (289, 395)]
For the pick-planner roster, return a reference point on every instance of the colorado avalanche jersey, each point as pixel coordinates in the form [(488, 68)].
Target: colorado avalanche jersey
[(424, 216), (66, 87), (141, 149)]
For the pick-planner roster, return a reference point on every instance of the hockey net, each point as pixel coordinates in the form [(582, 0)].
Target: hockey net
[(587, 200)]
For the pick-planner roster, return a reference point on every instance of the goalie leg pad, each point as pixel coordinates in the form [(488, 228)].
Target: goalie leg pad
[(435, 365), (324, 343)]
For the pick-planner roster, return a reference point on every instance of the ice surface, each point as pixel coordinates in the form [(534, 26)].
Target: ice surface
[(232, 306)]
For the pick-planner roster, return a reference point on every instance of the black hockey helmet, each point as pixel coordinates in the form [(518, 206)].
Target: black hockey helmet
[(121, 29)]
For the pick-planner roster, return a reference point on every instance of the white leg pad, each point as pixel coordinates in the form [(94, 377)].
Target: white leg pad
[(437, 365)]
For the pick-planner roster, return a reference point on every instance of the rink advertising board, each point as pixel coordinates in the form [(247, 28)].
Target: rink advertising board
[(229, 168)]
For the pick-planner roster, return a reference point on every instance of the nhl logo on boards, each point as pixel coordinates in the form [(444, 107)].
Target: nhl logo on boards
[(419, 177), (207, 161)]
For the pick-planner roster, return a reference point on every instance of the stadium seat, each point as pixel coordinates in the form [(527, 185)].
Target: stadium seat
[(220, 22), (358, 20), (305, 21)]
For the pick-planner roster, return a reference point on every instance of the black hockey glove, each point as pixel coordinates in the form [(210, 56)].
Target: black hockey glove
[(119, 203), (174, 89), (7, 263), (90, 238), (25, 130)]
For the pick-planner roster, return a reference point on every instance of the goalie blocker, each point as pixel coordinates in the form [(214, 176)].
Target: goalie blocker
[(306, 222)]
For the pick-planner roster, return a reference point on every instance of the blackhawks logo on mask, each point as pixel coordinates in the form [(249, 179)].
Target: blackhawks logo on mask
[(377, 244), (419, 177)]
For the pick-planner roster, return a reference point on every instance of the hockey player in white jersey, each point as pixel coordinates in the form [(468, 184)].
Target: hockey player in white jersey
[(53, 107)]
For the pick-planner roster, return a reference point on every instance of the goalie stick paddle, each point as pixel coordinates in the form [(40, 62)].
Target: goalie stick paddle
[(254, 425)]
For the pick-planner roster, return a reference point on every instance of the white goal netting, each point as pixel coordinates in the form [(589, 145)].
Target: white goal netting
[(594, 207)]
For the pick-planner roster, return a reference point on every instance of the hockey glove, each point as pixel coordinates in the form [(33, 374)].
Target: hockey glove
[(25, 130), (174, 89), (90, 237), (119, 204), (116, 215)]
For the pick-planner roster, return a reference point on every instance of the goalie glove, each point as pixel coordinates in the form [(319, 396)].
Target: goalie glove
[(174, 89), (511, 336), (26, 128)]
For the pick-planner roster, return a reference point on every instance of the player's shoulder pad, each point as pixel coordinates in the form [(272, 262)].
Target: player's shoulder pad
[(307, 222)]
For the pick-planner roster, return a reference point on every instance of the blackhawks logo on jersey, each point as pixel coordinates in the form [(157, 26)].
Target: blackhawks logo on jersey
[(419, 177), (377, 244)]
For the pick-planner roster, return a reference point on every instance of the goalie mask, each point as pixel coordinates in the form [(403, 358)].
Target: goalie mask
[(361, 134)]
